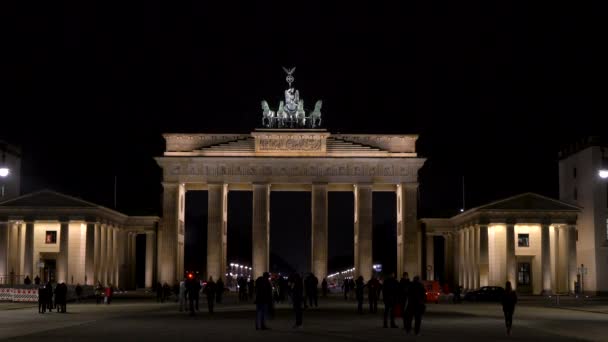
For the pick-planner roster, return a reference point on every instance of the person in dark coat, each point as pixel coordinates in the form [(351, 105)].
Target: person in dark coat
[(42, 301), (359, 287), (78, 290), (351, 287), (311, 284), (324, 288), (49, 296), (251, 288), (192, 289), (27, 280), (263, 299), (37, 280), (297, 295), (159, 292), (345, 288), (404, 286), (210, 290), (509, 299), (220, 290), (415, 306), (372, 294), (242, 282), (390, 292)]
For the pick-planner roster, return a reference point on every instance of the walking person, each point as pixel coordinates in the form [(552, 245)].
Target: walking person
[(359, 286), (182, 295), (372, 294), (192, 287), (42, 301), (404, 286), (297, 293), (109, 293), (49, 296), (210, 290), (98, 293), (390, 290), (324, 288), (509, 299), (263, 299), (78, 290), (220, 290), (345, 287), (415, 306)]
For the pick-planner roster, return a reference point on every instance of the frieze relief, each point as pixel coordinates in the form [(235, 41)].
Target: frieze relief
[(306, 170)]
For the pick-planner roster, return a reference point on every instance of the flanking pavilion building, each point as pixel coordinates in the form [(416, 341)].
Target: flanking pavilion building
[(528, 239), (66, 239)]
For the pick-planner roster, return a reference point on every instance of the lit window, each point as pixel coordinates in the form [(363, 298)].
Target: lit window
[(523, 240), (50, 237)]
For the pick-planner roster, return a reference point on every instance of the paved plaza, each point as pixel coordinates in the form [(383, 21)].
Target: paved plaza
[(335, 320)]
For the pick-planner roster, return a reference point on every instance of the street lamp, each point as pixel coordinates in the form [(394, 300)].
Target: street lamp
[(4, 172), (603, 171)]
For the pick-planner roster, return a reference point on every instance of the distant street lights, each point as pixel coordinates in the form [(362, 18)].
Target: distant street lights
[(4, 172)]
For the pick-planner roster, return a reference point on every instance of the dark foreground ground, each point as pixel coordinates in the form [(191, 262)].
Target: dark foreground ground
[(140, 319)]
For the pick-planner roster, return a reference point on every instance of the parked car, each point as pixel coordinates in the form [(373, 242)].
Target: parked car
[(433, 291), (485, 294)]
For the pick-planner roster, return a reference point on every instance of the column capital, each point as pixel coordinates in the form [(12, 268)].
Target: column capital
[(170, 185)]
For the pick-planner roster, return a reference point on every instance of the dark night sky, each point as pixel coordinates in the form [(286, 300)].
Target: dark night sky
[(494, 88)]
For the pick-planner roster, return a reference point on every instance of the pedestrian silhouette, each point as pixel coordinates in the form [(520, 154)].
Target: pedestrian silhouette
[(509, 299)]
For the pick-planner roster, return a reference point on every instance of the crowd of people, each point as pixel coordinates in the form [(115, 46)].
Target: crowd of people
[(50, 298)]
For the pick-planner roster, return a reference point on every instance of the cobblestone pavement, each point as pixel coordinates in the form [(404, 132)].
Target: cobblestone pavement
[(335, 320)]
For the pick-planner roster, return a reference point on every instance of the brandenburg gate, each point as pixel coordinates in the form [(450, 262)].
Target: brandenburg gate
[(289, 154), (287, 160)]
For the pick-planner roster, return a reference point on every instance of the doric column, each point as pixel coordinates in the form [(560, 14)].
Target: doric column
[(133, 259), (97, 254), (466, 266), (430, 258), (484, 260), (116, 260), (4, 250), (571, 250), (122, 270), (168, 233), (216, 229), (545, 264), (511, 260), (28, 257), (363, 231), (449, 258), (110, 256), (89, 254), (21, 255), (476, 254), (103, 252), (461, 262), (62, 258), (150, 249), (319, 231), (261, 229), (409, 255)]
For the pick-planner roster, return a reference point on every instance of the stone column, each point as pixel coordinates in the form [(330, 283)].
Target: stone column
[(150, 248), (4, 271), (62, 257), (511, 260), (103, 252), (110, 255), (467, 259), (116, 260), (461, 262), (133, 259), (121, 262), (409, 249), (28, 257), (450, 258), (89, 259), (476, 254), (430, 258), (97, 253), (216, 229), (545, 263), (319, 231), (363, 231), (21, 255), (571, 250), (167, 235), (260, 235), (484, 260)]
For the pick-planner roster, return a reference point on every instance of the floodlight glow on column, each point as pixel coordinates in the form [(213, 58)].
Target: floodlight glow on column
[(4, 171), (603, 173)]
